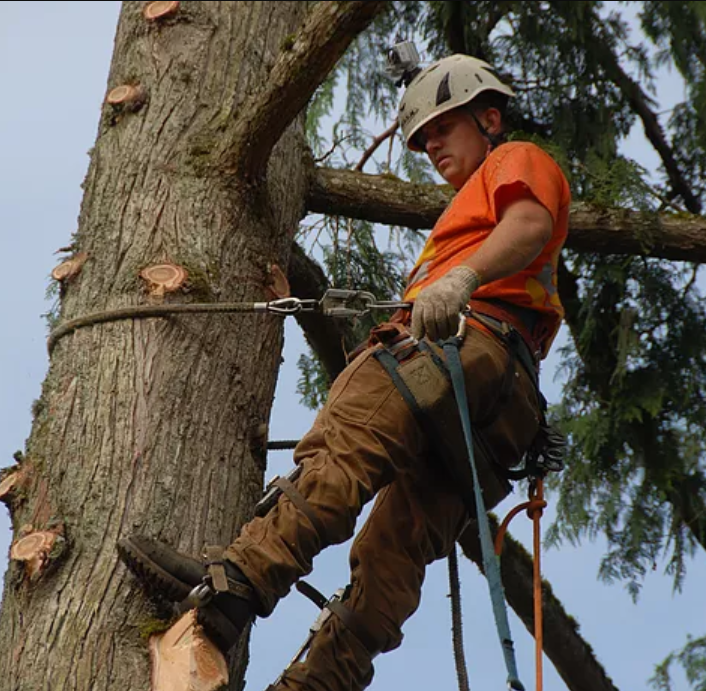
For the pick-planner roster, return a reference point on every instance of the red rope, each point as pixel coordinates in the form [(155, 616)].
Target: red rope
[(535, 507)]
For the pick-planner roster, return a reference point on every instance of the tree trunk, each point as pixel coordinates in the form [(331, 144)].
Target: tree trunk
[(154, 425)]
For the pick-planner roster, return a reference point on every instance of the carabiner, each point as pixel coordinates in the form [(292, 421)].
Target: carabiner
[(286, 306), (337, 302), (463, 323)]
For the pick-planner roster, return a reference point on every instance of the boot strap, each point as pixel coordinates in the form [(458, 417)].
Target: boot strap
[(215, 566)]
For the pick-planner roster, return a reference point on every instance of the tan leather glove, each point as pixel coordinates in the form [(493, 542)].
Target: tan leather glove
[(437, 307)]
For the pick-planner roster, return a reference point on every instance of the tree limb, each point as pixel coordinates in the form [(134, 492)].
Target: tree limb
[(653, 130), (301, 67), (376, 143), (563, 644), (388, 200), (329, 338), (378, 198)]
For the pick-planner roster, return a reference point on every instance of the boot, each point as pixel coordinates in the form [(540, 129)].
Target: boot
[(225, 603)]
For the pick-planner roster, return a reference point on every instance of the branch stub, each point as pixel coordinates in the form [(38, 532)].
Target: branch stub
[(158, 10), (9, 484), (277, 283), (128, 95), (33, 550), (163, 278), (69, 268)]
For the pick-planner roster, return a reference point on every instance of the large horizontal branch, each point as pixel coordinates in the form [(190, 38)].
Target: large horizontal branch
[(378, 198), (388, 200), (563, 644), (301, 68)]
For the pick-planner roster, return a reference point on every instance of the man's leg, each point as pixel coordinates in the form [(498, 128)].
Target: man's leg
[(415, 521), (364, 436)]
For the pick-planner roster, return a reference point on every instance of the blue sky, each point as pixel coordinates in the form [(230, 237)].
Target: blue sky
[(54, 61)]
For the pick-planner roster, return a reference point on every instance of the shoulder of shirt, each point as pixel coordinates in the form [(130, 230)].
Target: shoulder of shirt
[(508, 148), (539, 156)]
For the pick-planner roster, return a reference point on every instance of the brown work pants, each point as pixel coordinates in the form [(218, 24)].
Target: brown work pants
[(367, 442)]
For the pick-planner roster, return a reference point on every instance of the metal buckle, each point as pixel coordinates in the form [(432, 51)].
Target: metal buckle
[(201, 595)]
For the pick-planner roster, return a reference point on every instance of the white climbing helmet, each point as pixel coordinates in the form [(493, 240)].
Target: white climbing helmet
[(444, 85)]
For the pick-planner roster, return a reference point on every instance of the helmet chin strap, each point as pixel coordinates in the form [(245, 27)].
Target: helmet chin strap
[(493, 139)]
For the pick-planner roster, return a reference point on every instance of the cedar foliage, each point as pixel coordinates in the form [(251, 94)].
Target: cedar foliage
[(634, 375)]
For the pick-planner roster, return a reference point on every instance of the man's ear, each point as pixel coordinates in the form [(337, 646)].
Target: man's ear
[(492, 120)]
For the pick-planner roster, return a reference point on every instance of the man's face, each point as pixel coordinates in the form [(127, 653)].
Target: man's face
[(454, 145)]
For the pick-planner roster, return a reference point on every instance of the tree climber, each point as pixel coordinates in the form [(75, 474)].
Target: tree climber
[(494, 254)]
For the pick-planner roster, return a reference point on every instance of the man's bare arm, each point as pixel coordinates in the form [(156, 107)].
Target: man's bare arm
[(524, 229)]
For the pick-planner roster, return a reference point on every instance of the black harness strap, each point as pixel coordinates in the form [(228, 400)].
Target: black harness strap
[(390, 363), (354, 623), (302, 504)]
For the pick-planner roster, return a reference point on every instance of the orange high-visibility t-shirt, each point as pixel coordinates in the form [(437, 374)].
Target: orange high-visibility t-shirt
[(512, 171)]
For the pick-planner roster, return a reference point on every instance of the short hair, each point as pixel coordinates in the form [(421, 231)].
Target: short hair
[(489, 99)]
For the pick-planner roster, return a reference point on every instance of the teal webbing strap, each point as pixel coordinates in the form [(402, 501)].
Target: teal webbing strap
[(491, 563)]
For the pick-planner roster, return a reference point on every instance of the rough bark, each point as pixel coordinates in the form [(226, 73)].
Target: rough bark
[(389, 200), (306, 59), (156, 425), (563, 644)]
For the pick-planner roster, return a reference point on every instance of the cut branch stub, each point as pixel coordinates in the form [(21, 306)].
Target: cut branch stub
[(277, 284), (185, 659), (163, 278), (34, 550), (130, 96), (159, 10), (9, 485), (69, 268)]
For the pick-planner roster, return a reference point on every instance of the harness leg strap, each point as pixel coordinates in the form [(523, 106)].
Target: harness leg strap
[(302, 504), (355, 625)]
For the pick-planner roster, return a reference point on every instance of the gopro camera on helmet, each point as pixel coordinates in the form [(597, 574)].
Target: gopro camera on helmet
[(403, 62)]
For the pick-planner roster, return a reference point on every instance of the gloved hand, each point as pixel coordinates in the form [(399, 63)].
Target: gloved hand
[(436, 309)]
